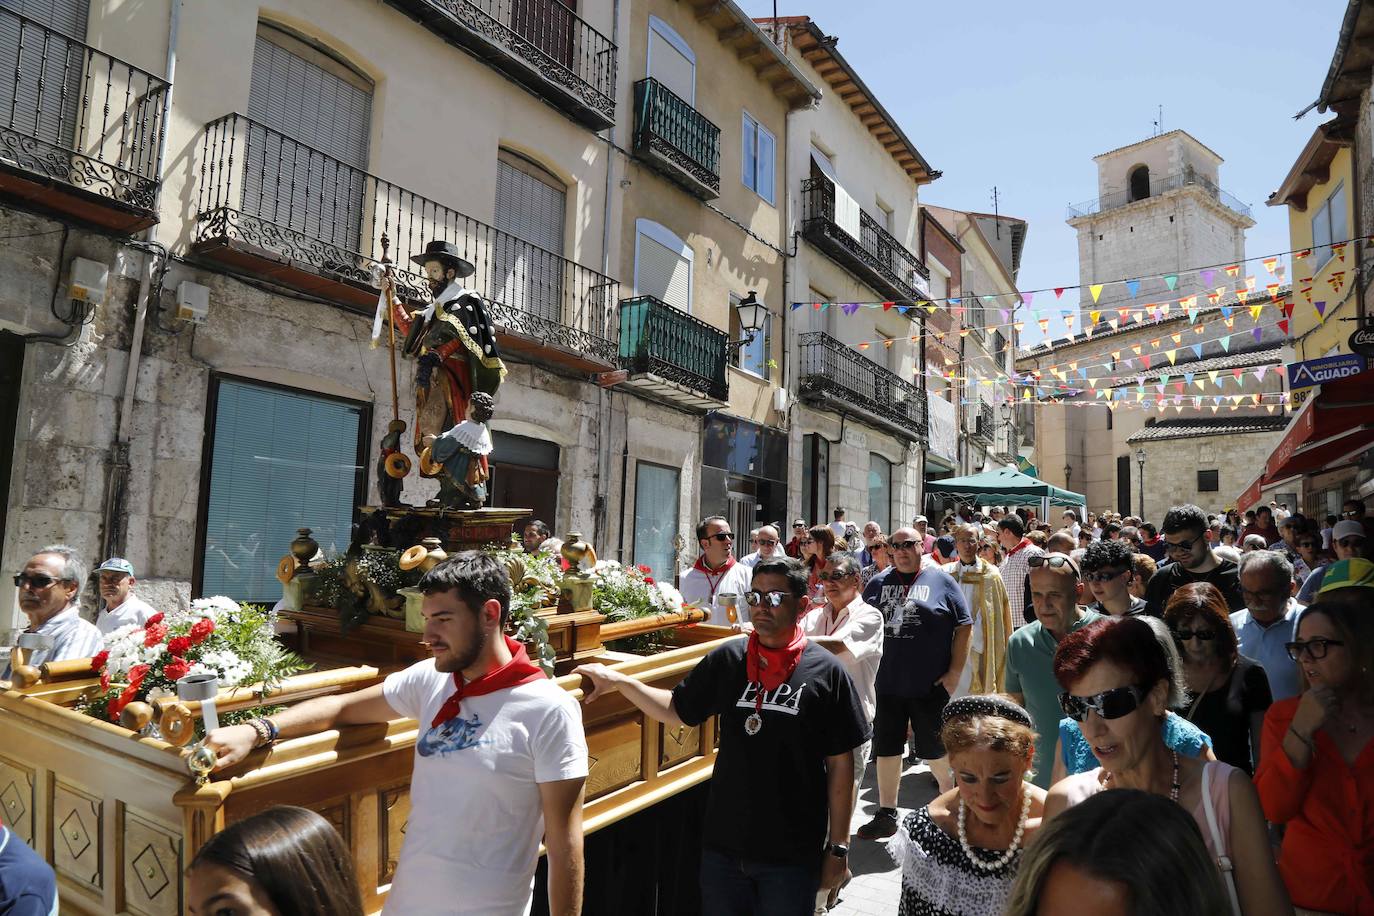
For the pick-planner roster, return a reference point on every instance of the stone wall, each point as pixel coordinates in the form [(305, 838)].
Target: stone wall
[(1171, 467), (851, 442)]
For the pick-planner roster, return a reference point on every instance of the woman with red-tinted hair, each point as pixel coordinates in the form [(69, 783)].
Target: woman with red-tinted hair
[(1117, 684), (817, 547)]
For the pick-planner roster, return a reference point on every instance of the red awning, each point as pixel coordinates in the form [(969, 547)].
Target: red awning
[(1332, 428)]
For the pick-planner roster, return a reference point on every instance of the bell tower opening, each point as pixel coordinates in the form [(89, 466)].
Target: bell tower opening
[(1139, 182)]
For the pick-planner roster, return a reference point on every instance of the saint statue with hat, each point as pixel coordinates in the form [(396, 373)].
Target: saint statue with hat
[(454, 343)]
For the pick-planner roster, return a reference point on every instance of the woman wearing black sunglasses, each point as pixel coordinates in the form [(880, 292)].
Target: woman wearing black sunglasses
[(1116, 683), (1228, 694), (1316, 774)]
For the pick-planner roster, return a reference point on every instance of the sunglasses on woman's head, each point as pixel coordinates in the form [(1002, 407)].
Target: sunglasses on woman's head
[(1109, 704)]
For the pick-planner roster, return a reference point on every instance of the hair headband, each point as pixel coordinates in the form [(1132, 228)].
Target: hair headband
[(985, 705)]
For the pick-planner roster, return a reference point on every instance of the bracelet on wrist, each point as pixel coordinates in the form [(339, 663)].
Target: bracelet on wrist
[(266, 729), (1305, 740)]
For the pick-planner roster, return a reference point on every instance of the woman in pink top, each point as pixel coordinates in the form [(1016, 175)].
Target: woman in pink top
[(1118, 686)]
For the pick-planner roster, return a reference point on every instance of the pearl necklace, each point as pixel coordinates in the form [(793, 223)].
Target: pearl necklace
[(1006, 857)]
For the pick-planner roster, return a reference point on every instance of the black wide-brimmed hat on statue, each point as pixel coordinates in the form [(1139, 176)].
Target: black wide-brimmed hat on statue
[(447, 254)]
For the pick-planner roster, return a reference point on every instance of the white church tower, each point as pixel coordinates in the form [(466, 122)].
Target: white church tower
[(1160, 209)]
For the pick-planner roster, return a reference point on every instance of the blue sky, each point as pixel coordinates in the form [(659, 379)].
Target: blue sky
[(1023, 95)]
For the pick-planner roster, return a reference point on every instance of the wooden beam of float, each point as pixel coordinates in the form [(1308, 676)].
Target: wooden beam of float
[(119, 817)]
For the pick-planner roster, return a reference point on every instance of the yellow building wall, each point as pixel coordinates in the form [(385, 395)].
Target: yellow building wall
[(1318, 336)]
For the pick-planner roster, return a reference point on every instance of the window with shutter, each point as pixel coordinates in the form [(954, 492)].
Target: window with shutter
[(305, 171), (49, 115), (672, 61), (280, 459), (663, 265), (531, 205)]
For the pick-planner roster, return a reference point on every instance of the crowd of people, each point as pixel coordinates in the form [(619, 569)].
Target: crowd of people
[(1118, 718)]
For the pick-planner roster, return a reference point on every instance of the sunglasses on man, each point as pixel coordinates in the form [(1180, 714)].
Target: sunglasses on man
[(828, 576), (1109, 704), (721, 536), (904, 545), (765, 599), (765, 542), (1180, 546), (35, 582)]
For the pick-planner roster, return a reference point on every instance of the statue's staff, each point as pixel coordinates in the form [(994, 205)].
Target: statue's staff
[(395, 462)]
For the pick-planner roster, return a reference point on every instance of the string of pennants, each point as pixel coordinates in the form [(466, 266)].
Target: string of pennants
[(1274, 295)]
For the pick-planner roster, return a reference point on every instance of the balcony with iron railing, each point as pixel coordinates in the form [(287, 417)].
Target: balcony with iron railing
[(834, 375), (672, 355), (275, 208), (677, 139), (1185, 179), (82, 132), (874, 256), (541, 44), (984, 423)]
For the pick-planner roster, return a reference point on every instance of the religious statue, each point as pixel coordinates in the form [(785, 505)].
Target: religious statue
[(454, 342), (462, 452)]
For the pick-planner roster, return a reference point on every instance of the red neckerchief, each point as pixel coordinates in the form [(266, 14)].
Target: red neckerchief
[(519, 670), (1025, 542), (769, 669), (713, 576)]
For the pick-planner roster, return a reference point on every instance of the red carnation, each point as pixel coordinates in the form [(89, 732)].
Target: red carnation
[(153, 634), (98, 660), (154, 620), (644, 569), (126, 696), (136, 675), (176, 669), (201, 630), (104, 682), (178, 645), (648, 580)]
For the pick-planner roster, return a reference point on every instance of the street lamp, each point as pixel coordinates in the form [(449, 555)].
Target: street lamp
[(752, 314), (1140, 463), (1068, 476)]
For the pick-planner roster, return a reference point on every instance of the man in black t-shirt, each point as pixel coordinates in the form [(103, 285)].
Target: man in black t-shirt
[(1191, 560), (777, 821)]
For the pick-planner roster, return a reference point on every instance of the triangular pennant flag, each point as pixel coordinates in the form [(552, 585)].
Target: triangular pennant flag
[(1255, 312), (1272, 289), (1339, 249), (1026, 298), (797, 305), (1165, 309), (1018, 326), (1230, 322), (1154, 344), (1044, 325), (1212, 297), (1270, 264), (1096, 290), (849, 308), (1225, 342), (888, 342), (953, 300), (1145, 360), (1259, 333), (1250, 284), (1320, 306), (1005, 316), (1068, 322), (887, 306), (1212, 374), (1197, 351), (864, 346), (1059, 291), (1094, 316), (1201, 384), (1133, 287), (1114, 322), (1178, 386), (1177, 338), (1170, 354), (1336, 278), (1237, 373), (1171, 280), (1226, 311), (1207, 276), (1188, 378), (1299, 255), (1242, 295), (1136, 349), (1283, 326), (1232, 270)]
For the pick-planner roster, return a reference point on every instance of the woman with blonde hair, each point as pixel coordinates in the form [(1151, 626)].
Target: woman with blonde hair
[(959, 854), (1123, 851)]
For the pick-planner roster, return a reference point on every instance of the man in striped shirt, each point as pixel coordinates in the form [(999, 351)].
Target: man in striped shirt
[(1015, 569)]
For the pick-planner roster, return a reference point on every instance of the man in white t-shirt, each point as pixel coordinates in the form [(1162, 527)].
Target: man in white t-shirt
[(839, 523), (122, 606), (499, 765), (766, 545), (715, 573)]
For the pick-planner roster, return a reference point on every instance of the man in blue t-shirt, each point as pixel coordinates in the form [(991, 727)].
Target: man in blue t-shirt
[(28, 886), (925, 645)]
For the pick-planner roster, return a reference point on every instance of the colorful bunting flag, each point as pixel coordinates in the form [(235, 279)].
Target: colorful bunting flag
[(1232, 269), (1132, 287), (1270, 264), (1096, 290), (1171, 280)]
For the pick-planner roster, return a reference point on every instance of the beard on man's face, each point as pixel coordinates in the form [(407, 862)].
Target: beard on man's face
[(462, 658)]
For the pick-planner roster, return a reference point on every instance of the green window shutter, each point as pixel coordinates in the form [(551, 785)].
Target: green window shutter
[(281, 460)]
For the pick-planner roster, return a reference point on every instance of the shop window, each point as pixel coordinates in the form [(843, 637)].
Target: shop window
[(280, 459), (656, 518)]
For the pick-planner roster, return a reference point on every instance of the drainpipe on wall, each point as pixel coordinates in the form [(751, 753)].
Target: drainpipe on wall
[(605, 398), (114, 530)]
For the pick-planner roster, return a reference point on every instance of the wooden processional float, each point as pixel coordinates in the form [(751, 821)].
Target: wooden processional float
[(119, 815)]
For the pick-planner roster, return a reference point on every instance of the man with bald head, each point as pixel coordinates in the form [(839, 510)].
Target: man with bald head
[(1057, 590), (766, 546), (926, 633)]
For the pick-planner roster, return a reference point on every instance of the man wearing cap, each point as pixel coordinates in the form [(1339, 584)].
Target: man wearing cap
[(799, 530), (122, 606), (922, 527), (454, 342), (1347, 542)]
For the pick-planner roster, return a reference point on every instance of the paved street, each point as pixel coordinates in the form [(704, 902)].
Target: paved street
[(877, 882)]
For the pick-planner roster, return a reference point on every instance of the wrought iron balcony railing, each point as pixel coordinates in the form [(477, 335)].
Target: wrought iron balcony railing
[(263, 192), (831, 371), (984, 423), (1186, 178), (542, 44), (77, 117), (677, 138), (658, 339), (874, 256)]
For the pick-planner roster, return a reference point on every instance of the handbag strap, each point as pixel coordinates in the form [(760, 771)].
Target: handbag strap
[(1218, 842)]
